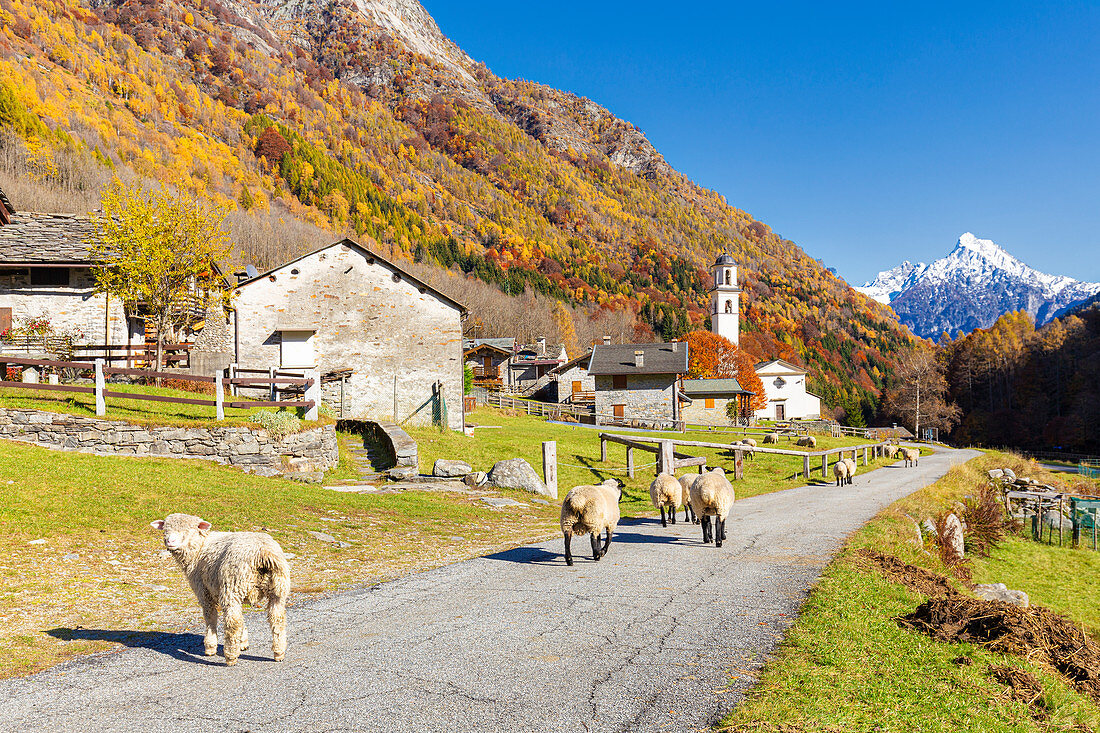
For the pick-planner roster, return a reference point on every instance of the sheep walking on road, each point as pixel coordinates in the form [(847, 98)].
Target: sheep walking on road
[(851, 464), (891, 452), (685, 496), (666, 493), (712, 496), (911, 456), (226, 570), (841, 472), (591, 510)]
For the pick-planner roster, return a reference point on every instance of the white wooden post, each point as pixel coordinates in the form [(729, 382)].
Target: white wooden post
[(219, 396), (806, 467), (824, 465), (630, 461), (233, 375), (603, 450), (550, 465), (864, 455), (313, 392), (271, 375), (30, 375), (100, 398)]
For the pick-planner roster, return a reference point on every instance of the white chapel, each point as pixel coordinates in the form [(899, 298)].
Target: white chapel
[(784, 383)]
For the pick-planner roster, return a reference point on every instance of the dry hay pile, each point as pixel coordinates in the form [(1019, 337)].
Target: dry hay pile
[(912, 577), (1035, 633), (1023, 685)]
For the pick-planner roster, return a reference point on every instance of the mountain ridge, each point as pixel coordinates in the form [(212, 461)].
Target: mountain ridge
[(970, 288)]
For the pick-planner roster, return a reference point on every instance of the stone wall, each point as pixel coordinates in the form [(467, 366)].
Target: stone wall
[(578, 373), (397, 336), (305, 455), (698, 414), (646, 397), (399, 445)]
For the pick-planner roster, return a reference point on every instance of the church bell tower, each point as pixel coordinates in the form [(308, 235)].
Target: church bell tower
[(725, 299)]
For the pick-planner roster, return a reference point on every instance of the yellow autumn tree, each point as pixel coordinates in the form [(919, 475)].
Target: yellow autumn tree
[(154, 250), (563, 321)]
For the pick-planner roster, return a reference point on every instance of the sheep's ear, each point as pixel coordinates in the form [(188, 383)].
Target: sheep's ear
[(204, 525), (157, 524)]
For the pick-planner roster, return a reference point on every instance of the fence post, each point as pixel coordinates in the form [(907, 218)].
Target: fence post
[(313, 392), (271, 375), (219, 396), (100, 398), (550, 465), (630, 461), (864, 455), (665, 462), (603, 450), (806, 467), (738, 465), (825, 465), (233, 375)]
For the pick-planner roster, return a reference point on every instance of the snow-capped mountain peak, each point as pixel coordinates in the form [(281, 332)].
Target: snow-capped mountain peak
[(976, 283)]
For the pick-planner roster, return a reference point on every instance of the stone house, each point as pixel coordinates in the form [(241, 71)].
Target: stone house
[(529, 370), (785, 388), (573, 384), (46, 271), (638, 383), (490, 359), (707, 400), (343, 309)]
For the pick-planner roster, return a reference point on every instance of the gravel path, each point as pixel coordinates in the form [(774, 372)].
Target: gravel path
[(646, 639)]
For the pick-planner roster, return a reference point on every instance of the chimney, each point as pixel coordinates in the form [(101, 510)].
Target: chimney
[(675, 346), (639, 359), (542, 345), (606, 340)]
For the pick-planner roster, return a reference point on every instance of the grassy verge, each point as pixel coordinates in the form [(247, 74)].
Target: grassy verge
[(847, 665), (521, 435), (101, 571)]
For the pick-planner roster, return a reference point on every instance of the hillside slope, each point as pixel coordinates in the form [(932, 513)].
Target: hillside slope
[(361, 117)]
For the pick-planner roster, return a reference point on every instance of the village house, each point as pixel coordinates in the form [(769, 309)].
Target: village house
[(46, 272), (489, 358), (637, 384), (529, 369), (707, 400), (342, 309), (785, 388), (574, 385)]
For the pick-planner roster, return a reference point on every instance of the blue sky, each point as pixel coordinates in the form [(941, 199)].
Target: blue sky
[(866, 133)]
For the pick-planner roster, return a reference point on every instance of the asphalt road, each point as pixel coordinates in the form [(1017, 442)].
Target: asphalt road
[(648, 639)]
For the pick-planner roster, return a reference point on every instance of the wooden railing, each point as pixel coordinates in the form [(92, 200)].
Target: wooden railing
[(100, 372), (669, 461), (484, 372), (136, 355)]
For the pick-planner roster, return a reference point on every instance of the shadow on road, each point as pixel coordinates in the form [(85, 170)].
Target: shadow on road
[(540, 556), (185, 647)]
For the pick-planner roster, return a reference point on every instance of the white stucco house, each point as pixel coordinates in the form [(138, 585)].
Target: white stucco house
[(785, 388), (345, 309)]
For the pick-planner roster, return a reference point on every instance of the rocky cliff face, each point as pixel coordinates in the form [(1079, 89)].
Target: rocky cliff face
[(972, 287)]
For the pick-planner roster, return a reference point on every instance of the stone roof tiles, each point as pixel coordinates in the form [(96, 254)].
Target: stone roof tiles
[(45, 239), (669, 358)]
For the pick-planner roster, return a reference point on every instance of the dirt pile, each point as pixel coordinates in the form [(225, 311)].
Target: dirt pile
[(1024, 686), (912, 577), (1035, 633)]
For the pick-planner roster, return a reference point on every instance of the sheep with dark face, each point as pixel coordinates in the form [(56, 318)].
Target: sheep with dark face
[(841, 472), (685, 496), (712, 496), (226, 570), (591, 510), (666, 493)]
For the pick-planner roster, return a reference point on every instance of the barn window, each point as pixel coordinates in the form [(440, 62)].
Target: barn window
[(708, 403), (50, 276), (618, 381), (296, 349)]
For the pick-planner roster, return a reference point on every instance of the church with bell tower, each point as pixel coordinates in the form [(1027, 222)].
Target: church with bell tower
[(725, 299)]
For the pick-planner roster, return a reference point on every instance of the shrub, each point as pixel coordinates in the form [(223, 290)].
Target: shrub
[(985, 521), (278, 424)]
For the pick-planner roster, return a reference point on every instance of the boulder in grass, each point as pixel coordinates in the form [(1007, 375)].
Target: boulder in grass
[(1009, 474), (451, 469), (953, 533), (475, 479), (516, 473), (996, 473), (1001, 592)]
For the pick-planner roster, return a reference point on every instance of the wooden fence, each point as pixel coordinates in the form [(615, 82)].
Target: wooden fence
[(562, 411), (669, 461), (311, 385), (135, 355)]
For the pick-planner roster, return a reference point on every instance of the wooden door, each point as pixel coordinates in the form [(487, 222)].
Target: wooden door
[(487, 362), (576, 387), (617, 410), (780, 411)]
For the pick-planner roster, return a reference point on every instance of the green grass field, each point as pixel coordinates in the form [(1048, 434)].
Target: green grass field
[(846, 665), (579, 454)]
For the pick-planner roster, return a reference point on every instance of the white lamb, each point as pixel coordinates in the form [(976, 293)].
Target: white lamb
[(685, 496), (771, 438), (841, 472), (911, 456), (666, 492), (712, 495), (591, 510), (226, 570)]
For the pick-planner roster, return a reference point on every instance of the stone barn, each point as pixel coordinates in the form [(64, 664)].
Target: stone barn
[(638, 384), (344, 309)]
